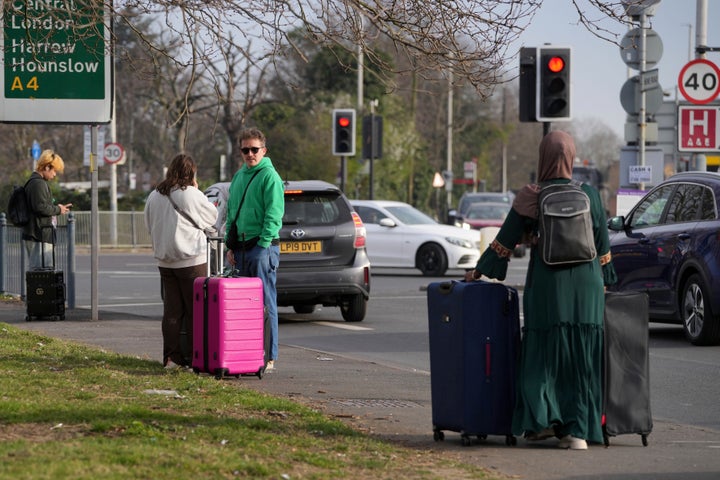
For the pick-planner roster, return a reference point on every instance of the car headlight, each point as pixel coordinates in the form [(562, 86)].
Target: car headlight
[(460, 242)]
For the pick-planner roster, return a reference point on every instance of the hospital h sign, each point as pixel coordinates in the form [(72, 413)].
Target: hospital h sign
[(698, 128)]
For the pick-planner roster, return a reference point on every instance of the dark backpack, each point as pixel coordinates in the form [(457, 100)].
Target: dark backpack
[(565, 233), (18, 207)]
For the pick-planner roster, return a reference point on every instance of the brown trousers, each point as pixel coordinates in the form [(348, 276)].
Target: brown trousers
[(177, 294)]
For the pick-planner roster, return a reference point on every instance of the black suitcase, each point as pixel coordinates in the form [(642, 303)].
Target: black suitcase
[(474, 330), (45, 298), (626, 390)]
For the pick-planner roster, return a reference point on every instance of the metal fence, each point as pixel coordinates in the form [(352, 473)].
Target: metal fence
[(130, 228), (73, 230)]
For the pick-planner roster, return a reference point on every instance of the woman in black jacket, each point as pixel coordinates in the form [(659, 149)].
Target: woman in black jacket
[(37, 237)]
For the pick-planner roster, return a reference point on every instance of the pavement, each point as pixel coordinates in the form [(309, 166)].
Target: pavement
[(394, 404)]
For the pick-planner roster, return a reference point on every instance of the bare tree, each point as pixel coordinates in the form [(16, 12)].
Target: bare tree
[(469, 37)]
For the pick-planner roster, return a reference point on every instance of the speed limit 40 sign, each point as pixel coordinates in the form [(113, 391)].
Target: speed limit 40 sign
[(699, 81), (114, 153)]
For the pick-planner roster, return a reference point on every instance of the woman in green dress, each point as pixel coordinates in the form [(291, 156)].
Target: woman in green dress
[(559, 385)]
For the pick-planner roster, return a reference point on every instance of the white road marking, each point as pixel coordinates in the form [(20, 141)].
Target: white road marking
[(343, 326)]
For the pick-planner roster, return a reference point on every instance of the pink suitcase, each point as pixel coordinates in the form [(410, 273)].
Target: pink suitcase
[(228, 326)]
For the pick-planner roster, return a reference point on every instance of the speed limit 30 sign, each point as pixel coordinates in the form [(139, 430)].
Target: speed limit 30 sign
[(114, 152), (699, 81)]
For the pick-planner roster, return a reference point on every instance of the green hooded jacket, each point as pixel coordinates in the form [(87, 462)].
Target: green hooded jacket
[(264, 205)]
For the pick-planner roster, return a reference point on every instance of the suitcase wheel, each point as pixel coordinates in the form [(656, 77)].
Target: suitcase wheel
[(438, 435), (510, 440), (466, 440), (644, 440)]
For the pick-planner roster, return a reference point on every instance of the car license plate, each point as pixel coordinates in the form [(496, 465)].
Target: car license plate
[(301, 247)]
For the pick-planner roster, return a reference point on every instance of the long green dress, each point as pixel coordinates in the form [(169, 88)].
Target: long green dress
[(560, 371)]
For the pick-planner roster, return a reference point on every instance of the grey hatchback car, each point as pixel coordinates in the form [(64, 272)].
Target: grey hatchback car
[(322, 251)]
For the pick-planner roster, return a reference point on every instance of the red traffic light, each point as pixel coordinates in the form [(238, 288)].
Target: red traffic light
[(556, 64), (343, 121)]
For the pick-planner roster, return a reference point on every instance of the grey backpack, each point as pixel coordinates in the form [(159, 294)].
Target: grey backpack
[(565, 233)]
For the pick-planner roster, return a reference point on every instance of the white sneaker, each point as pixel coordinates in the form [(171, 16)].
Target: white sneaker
[(568, 441), (170, 365), (270, 366)]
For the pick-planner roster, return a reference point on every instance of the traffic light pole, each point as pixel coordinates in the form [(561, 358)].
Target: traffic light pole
[(343, 172)]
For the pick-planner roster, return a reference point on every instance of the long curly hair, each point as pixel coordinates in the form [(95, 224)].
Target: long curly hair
[(180, 174)]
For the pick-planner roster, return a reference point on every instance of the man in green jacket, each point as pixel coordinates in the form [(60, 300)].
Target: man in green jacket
[(39, 233), (255, 208)]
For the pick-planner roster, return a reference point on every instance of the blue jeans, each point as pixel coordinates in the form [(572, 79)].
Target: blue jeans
[(263, 263)]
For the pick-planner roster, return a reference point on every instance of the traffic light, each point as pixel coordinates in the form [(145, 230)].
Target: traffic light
[(343, 132), (528, 84), (553, 84)]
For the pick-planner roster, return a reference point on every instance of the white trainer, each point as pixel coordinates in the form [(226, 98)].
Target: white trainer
[(568, 441)]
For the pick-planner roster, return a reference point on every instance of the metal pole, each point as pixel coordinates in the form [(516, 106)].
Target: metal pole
[(700, 161), (642, 120), (343, 172), (4, 251), (504, 146), (449, 135), (94, 225), (71, 264), (113, 188)]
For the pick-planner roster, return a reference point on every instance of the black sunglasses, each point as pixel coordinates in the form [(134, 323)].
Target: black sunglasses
[(246, 150)]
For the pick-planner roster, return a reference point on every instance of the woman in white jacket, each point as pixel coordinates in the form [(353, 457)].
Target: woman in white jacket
[(177, 215)]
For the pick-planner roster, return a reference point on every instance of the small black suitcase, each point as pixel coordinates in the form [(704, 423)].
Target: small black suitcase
[(45, 295), (45, 298), (626, 389)]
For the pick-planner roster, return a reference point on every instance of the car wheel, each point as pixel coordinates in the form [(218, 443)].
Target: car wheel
[(354, 308), (700, 325), (431, 260), (304, 308)]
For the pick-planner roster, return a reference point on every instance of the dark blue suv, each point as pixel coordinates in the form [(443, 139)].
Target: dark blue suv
[(669, 246)]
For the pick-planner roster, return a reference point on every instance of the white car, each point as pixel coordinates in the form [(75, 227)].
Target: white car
[(399, 235)]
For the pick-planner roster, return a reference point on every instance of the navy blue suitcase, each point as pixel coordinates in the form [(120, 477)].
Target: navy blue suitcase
[(474, 330)]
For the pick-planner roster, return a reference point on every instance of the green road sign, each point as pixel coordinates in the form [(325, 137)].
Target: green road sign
[(55, 60)]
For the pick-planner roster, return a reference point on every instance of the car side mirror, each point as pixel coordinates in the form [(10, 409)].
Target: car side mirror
[(387, 222), (616, 224)]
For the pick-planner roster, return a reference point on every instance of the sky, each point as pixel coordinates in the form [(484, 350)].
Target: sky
[(598, 71)]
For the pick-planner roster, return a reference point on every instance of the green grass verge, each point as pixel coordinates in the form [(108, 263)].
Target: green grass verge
[(71, 411)]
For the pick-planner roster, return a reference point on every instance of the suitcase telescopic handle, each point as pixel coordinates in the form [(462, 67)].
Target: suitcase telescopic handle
[(219, 254), (42, 250)]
